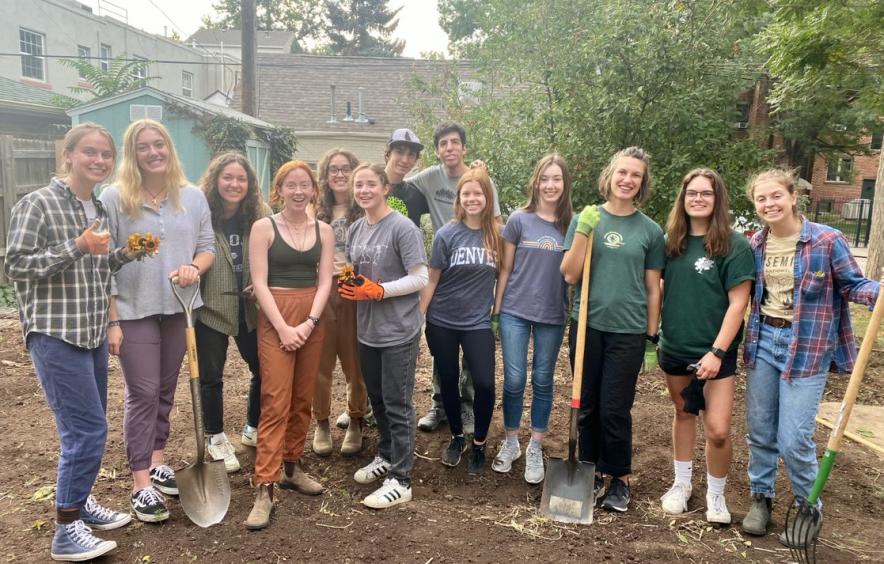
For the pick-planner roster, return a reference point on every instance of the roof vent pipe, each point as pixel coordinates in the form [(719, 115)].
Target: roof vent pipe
[(360, 117), (333, 118)]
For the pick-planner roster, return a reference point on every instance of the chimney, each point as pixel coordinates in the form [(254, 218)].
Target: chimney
[(349, 116), (360, 118), (333, 118)]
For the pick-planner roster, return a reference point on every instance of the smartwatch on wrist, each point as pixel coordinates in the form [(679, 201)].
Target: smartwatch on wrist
[(314, 319), (655, 339), (718, 352)]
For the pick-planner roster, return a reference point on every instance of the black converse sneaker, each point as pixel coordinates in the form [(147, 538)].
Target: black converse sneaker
[(163, 478), (477, 460), (148, 506)]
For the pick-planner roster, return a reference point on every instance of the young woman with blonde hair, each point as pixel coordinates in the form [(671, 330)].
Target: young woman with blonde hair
[(151, 195)]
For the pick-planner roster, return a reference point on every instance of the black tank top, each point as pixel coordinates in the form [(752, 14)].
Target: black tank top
[(288, 267)]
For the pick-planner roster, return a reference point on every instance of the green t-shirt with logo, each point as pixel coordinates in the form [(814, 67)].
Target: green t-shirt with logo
[(695, 296), (623, 248)]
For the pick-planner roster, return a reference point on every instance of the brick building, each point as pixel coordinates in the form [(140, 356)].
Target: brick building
[(848, 177)]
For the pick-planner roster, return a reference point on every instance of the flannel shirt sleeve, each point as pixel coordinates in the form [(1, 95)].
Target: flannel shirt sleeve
[(27, 255), (849, 277)]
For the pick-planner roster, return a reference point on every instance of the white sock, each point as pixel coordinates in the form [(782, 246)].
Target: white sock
[(512, 440), (684, 470), (715, 486)]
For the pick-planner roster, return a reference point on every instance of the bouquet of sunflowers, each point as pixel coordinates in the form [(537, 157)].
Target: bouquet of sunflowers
[(348, 276), (143, 245)]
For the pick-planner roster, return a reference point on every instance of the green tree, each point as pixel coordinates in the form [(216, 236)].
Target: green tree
[(826, 58), (588, 78), (305, 18), (362, 27), (122, 75)]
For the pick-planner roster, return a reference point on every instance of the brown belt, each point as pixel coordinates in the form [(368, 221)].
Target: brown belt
[(776, 321)]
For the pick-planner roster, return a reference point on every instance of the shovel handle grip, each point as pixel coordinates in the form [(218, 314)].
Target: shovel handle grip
[(577, 385)]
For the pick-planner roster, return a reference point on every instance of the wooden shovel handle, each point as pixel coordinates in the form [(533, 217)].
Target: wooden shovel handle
[(576, 386)]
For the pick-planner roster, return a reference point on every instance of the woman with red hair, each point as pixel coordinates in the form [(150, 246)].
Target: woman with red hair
[(291, 257)]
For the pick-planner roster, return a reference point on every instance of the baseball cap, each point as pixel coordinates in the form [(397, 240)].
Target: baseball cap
[(405, 137)]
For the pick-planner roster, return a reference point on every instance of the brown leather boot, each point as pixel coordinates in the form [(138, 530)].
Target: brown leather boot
[(322, 440), (352, 444), (259, 517), (299, 480)]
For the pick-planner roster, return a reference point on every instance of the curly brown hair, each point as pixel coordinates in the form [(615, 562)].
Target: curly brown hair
[(252, 204), (327, 196)]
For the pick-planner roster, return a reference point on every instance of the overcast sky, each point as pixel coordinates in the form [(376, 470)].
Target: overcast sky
[(418, 20)]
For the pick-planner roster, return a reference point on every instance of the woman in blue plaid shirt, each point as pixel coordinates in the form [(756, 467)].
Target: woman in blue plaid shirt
[(799, 329)]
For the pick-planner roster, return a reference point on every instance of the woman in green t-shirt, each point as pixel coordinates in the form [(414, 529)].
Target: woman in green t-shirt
[(708, 274)]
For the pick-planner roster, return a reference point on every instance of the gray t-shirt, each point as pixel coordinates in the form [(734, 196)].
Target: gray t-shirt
[(465, 294), (535, 290), (142, 288), (440, 191), (384, 252)]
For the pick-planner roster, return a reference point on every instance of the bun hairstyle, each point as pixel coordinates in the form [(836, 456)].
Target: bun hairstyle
[(644, 191)]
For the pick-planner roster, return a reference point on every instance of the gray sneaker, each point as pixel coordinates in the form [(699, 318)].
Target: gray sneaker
[(534, 472), (755, 522), (508, 453), (431, 421)]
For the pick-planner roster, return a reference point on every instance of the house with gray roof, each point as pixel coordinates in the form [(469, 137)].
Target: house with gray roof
[(27, 111)]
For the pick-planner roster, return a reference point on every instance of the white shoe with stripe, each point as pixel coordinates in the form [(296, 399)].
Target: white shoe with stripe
[(390, 494)]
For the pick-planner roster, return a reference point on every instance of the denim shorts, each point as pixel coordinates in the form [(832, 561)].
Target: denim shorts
[(679, 367)]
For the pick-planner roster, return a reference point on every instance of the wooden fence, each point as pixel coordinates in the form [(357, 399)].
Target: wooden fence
[(25, 165)]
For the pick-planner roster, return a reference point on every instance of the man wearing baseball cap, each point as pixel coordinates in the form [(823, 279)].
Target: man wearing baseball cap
[(403, 150)]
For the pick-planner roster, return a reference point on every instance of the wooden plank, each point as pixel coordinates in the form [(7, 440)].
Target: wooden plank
[(8, 190)]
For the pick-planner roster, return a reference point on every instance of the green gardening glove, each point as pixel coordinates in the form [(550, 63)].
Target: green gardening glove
[(588, 219), (495, 325)]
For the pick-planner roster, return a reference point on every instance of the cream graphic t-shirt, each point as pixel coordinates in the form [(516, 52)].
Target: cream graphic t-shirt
[(779, 277)]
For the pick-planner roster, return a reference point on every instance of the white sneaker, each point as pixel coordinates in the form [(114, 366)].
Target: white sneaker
[(675, 501), (377, 468), (716, 510), (220, 449), (390, 494), (508, 453), (249, 435), (534, 471)]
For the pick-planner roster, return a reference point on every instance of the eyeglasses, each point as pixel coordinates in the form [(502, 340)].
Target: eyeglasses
[(336, 170), (705, 194)]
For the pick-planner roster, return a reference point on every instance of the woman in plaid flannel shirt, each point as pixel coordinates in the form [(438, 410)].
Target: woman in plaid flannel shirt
[(799, 329)]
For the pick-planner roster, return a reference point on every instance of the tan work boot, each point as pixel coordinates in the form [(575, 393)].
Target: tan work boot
[(353, 438), (322, 441), (300, 481), (259, 517)]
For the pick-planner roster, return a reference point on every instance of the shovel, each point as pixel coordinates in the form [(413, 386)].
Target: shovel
[(804, 519), (203, 487), (568, 488)]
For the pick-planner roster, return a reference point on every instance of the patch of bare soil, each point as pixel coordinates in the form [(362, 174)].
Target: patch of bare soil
[(453, 518)]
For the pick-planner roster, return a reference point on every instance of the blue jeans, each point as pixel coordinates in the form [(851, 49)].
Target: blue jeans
[(74, 381), (515, 333), (780, 417)]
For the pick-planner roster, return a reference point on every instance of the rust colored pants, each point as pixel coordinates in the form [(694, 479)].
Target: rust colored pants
[(287, 383), (339, 320)]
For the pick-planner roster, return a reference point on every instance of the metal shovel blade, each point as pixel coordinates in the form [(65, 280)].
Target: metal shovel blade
[(568, 491), (204, 492)]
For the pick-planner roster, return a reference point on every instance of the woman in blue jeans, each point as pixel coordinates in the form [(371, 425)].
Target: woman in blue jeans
[(530, 298), (799, 329)]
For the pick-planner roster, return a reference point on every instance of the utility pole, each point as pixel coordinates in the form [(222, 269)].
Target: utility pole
[(249, 56)]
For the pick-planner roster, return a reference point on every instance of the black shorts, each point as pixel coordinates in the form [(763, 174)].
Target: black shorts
[(679, 367)]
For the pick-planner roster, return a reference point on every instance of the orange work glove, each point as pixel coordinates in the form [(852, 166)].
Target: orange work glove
[(361, 289)]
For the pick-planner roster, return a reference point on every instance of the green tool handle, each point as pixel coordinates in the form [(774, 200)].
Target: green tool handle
[(856, 378)]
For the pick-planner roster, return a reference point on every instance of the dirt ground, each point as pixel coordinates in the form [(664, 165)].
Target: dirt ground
[(453, 518)]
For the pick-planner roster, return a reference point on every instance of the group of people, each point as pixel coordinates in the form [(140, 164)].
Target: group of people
[(334, 273)]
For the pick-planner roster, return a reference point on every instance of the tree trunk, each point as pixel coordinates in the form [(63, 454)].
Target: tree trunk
[(876, 237)]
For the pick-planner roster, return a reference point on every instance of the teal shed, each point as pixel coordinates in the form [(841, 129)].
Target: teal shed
[(182, 117)]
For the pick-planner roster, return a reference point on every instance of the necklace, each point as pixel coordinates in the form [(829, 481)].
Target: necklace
[(302, 228), (154, 198)]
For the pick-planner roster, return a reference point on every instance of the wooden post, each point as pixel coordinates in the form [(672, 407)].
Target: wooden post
[(7, 194), (249, 54)]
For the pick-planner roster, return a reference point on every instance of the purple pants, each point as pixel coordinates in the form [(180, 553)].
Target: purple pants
[(151, 355)]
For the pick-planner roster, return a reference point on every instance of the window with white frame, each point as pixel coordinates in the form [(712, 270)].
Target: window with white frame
[(84, 54), (140, 70), (187, 84), (31, 45), (839, 169), (105, 56)]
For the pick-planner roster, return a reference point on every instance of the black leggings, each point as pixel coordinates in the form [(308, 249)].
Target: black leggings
[(478, 352)]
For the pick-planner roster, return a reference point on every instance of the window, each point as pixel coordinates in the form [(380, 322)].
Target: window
[(877, 138), (140, 70), (139, 111), (839, 170), (83, 53), (105, 57), (187, 84), (32, 61)]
